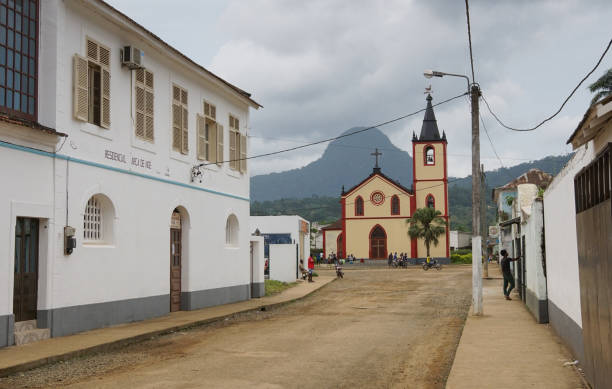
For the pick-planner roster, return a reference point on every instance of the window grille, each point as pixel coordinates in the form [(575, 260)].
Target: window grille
[(19, 58), (395, 205), (430, 158), (359, 206), (92, 220)]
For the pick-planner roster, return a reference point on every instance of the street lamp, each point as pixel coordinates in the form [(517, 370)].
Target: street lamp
[(474, 91)]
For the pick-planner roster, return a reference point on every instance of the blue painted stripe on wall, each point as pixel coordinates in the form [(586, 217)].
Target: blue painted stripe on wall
[(115, 169)]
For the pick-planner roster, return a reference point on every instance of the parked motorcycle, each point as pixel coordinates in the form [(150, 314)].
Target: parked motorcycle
[(434, 264)]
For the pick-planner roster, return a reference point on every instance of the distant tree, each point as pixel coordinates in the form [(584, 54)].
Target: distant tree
[(603, 87), (427, 224)]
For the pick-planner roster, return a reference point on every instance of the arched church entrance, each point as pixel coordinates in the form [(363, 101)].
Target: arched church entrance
[(339, 245), (175, 260), (378, 243)]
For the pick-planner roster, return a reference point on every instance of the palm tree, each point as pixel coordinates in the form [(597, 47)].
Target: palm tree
[(428, 224), (603, 87)]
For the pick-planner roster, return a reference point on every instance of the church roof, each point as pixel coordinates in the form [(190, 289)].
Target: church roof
[(337, 225), (429, 129), (381, 175)]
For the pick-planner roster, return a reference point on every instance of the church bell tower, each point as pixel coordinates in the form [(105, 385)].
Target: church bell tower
[(430, 177)]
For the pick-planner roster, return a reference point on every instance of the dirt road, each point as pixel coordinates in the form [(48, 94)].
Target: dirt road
[(375, 328)]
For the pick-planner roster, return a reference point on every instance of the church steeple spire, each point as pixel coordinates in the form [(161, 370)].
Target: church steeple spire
[(429, 130)]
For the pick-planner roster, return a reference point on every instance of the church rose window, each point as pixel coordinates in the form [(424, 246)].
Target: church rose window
[(395, 205), (359, 206), (430, 158), (377, 197)]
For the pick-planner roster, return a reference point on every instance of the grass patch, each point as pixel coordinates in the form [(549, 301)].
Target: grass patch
[(274, 287)]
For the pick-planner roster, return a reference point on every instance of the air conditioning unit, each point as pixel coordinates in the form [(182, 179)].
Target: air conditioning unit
[(132, 57)]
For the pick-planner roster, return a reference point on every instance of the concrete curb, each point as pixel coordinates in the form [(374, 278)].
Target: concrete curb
[(116, 344)]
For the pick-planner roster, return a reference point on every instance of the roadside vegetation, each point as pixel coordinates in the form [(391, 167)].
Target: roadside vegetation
[(275, 287), (461, 256)]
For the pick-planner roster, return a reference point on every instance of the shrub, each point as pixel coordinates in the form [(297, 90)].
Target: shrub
[(461, 258)]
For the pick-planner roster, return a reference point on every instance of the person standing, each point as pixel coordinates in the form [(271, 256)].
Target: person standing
[(508, 277), (310, 268)]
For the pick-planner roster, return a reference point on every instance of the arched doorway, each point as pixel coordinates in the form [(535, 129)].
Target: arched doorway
[(175, 260), (378, 243), (339, 245)]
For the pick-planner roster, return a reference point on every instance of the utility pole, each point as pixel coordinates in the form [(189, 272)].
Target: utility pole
[(476, 236), (483, 222)]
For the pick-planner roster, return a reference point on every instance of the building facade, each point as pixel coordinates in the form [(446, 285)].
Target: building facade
[(121, 204), (374, 212)]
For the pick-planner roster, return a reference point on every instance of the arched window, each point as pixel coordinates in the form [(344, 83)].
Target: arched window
[(395, 205), (359, 206), (430, 156), (98, 220), (430, 202), (231, 231)]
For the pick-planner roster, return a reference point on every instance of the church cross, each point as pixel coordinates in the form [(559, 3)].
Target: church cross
[(376, 154)]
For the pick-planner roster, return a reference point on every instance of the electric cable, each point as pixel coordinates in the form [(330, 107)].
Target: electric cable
[(562, 105), (331, 139), (467, 14)]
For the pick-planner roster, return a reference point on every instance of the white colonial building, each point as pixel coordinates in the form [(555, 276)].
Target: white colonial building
[(115, 143)]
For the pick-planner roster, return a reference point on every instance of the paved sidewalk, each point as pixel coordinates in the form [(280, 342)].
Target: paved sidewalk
[(506, 348), (20, 358)]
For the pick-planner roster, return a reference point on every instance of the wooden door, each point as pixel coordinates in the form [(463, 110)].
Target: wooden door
[(175, 269), (378, 243), (25, 287)]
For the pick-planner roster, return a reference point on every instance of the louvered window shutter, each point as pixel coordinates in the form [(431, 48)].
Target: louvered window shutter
[(144, 105), (81, 88), (185, 133), (243, 153), (232, 146), (176, 126), (202, 145), (219, 144), (104, 59)]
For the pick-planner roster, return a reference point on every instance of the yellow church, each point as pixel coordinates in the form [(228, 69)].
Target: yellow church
[(374, 212)]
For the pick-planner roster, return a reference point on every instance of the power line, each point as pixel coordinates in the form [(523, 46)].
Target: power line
[(332, 139), (562, 105), (467, 14), (493, 148)]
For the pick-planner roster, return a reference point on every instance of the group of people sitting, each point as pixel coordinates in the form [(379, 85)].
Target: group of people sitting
[(397, 260)]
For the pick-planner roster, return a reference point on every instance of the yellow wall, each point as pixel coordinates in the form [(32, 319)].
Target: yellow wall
[(429, 172), (436, 188), (358, 236), (435, 251), (330, 241), (371, 210)]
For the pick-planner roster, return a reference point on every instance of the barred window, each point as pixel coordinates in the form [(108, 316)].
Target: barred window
[(98, 219), (359, 206), (92, 220), (19, 57), (395, 205)]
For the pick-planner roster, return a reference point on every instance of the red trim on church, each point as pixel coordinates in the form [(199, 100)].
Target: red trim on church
[(413, 241), (446, 212), (343, 200), (399, 209)]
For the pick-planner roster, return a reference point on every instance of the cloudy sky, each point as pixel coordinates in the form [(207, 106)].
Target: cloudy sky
[(320, 67)]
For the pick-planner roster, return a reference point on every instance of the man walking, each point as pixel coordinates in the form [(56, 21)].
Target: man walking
[(508, 278), (310, 268)]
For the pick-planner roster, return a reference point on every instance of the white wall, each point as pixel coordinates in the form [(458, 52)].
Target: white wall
[(533, 229), (283, 265), (258, 259), (561, 242), (283, 225)]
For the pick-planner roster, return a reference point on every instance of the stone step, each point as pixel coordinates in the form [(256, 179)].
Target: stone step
[(29, 336), (26, 325)]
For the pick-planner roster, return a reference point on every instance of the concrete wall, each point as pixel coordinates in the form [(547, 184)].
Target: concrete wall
[(562, 252), (459, 239), (283, 262), (536, 296), (284, 225), (257, 266), (331, 242)]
